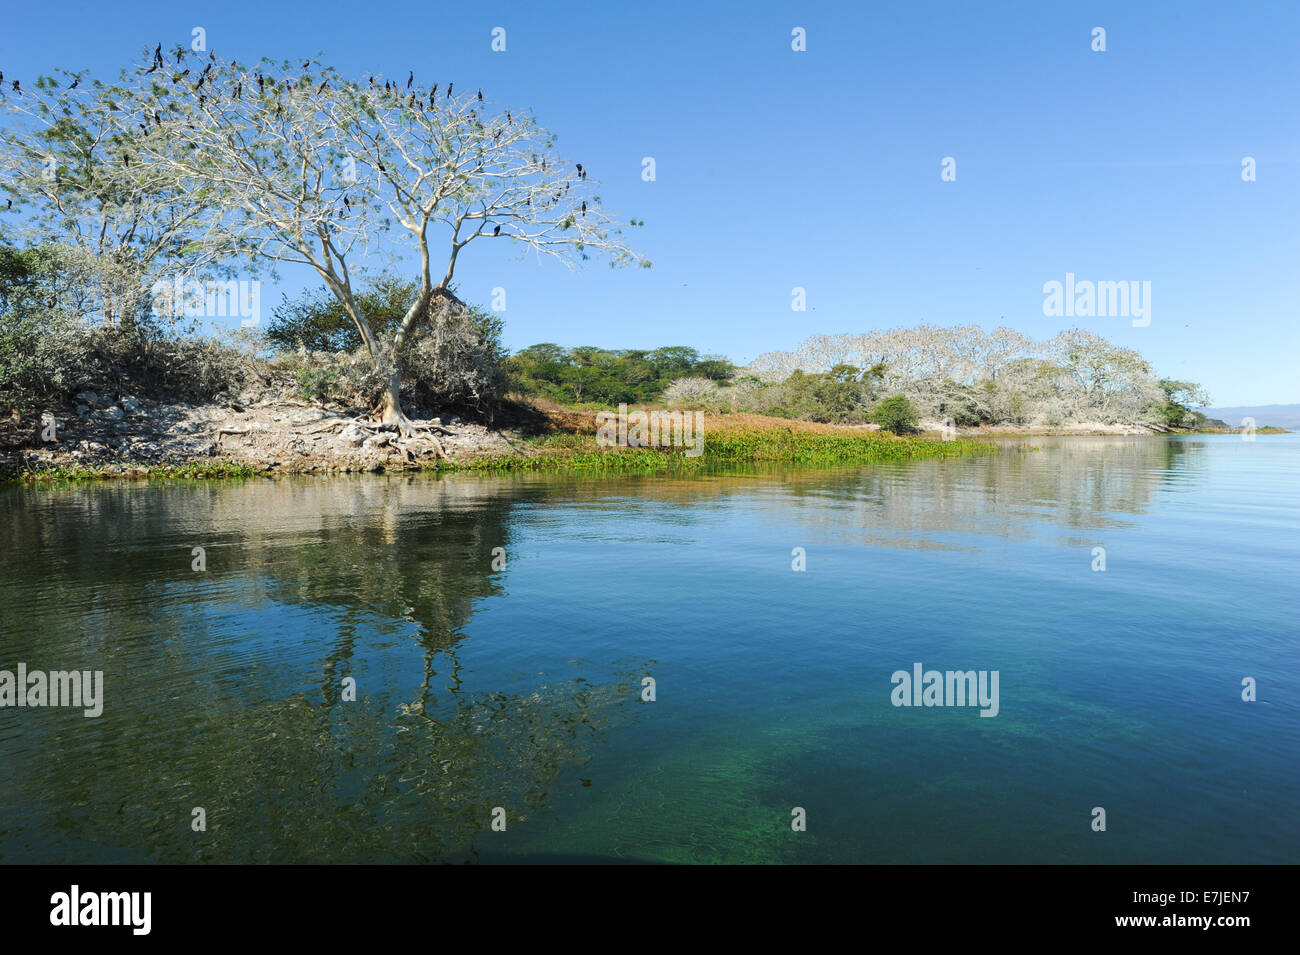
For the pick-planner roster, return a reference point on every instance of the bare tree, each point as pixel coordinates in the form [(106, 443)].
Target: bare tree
[(292, 162)]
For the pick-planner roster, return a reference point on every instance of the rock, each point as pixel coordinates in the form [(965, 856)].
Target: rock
[(114, 413), (378, 440), (352, 435), (89, 398), (131, 405)]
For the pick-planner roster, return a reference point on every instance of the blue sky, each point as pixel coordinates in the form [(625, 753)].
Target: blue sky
[(821, 169)]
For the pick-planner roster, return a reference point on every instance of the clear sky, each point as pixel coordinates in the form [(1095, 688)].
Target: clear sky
[(821, 169)]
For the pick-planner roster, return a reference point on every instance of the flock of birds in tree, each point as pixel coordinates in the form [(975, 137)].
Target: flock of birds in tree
[(263, 82)]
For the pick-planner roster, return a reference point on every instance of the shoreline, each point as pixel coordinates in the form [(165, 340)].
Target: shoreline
[(270, 434)]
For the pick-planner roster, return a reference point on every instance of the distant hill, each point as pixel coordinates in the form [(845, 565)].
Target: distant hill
[(1278, 416)]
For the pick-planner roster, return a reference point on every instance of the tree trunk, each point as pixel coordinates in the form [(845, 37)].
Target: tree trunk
[(390, 406)]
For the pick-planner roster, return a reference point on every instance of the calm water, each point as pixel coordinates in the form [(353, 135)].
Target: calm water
[(520, 687)]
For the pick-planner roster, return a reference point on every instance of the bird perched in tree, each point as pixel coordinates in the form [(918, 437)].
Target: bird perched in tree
[(372, 81), (411, 102), (261, 83), (449, 86), (152, 69), (75, 83), (156, 118), (320, 89), (584, 207), (388, 87), (199, 85), (580, 169), (410, 78), (239, 89), (346, 203), (157, 53), (180, 54), (212, 55), (496, 230), (480, 96), (509, 119), (202, 99), (18, 87), (432, 91), (306, 64)]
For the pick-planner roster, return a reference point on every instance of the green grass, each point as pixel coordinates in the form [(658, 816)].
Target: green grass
[(572, 452), (191, 470)]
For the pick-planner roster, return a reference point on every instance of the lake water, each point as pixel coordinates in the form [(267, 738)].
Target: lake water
[(521, 687)]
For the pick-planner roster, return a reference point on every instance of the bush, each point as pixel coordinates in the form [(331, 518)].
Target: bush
[(895, 415), (693, 393)]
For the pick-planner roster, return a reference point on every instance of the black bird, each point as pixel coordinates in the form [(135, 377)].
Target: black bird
[(202, 99), (566, 187), (579, 169), (411, 103), (306, 64), (496, 230), (372, 81), (509, 119), (2, 76), (212, 55), (199, 85), (381, 166), (75, 83), (260, 83), (9, 204), (584, 208), (543, 164), (207, 69), (151, 69), (18, 87), (480, 96), (157, 53), (432, 91), (157, 119), (410, 78), (387, 87), (239, 89), (346, 203), (320, 89), (449, 86), (143, 127), (180, 54)]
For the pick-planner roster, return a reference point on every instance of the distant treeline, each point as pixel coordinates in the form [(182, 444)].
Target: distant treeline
[(587, 374)]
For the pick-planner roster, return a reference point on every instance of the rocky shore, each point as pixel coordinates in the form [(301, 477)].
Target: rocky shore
[(266, 428)]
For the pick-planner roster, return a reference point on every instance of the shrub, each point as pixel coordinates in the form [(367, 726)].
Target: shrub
[(895, 415)]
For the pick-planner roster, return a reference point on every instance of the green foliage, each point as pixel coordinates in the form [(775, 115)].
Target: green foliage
[(317, 321), (605, 376), (895, 415)]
